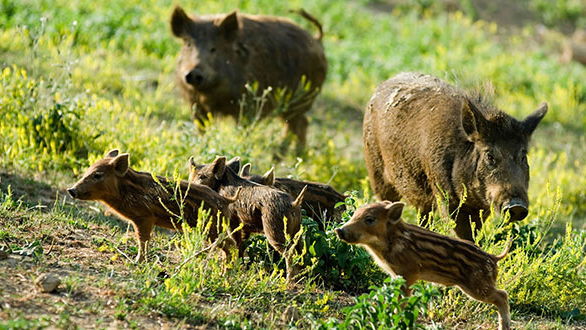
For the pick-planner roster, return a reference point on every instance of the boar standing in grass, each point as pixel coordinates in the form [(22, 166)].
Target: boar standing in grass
[(146, 202), (260, 208), (419, 254), (319, 201), (424, 138), (222, 53)]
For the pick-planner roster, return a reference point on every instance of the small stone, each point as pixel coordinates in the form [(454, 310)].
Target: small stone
[(3, 255), (47, 282)]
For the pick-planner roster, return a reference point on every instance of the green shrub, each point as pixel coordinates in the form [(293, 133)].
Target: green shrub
[(386, 307)]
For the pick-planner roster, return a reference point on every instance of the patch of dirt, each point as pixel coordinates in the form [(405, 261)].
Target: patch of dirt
[(34, 192), (93, 282)]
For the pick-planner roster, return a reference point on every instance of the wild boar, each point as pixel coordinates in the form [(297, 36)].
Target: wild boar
[(319, 201), (424, 138), (260, 208), (419, 254), (145, 202), (222, 53)]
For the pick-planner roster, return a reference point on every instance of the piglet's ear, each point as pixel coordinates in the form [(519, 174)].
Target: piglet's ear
[(121, 164), (394, 211), (268, 179), (531, 122), (234, 164), (180, 22), (245, 171), (112, 153), (219, 167), (229, 26)]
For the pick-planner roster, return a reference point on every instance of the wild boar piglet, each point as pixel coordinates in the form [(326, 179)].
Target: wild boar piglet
[(261, 209), (145, 202), (319, 201), (419, 254)]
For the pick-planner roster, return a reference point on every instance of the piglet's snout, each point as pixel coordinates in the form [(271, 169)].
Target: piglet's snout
[(72, 192), (340, 233)]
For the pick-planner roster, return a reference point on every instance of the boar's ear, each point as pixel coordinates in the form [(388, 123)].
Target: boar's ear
[(112, 153), (234, 164), (268, 179), (472, 119), (180, 22), (219, 167), (245, 171), (229, 25), (531, 122), (394, 211), (120, 164)]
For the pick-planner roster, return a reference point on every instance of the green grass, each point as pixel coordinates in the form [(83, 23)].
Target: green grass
[(77, 79)]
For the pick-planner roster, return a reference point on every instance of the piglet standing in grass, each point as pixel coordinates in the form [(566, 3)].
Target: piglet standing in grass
[(319, 201), (260, 208), (222, 53), (416, 253), (146, 201)]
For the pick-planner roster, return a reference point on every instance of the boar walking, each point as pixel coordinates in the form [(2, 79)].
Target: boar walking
[(260, 208), (419, 254), (425, 139), (146, 202), (222, 53), (319, 201)]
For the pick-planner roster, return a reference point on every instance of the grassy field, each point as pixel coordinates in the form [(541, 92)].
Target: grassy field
[(80, 78)]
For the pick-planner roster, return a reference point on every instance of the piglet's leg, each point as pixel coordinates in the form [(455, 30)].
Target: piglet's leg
[(501, 300), (143, 228)]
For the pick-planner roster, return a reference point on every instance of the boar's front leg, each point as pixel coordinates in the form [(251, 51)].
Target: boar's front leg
[(464, 220)]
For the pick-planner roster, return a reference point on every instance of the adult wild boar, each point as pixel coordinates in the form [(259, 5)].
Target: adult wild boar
[(424, 138), (222, 53)]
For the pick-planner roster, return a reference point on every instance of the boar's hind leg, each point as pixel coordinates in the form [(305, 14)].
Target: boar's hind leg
[(297, 127)]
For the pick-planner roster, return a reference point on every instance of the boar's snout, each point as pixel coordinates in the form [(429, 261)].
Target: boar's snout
[(72, 192), (195, 78), (517, 208)]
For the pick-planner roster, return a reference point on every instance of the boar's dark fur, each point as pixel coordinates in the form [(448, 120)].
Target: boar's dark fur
[(222, 53), (424, 138)]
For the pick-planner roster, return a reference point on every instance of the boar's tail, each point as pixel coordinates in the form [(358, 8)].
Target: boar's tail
[(506, 251), (235, 197), (299, 198), (312, 19)]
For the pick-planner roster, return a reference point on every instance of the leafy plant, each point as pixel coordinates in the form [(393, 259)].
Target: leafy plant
[(386, 307)]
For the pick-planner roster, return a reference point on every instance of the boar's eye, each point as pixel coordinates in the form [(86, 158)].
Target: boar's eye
[(98, 175), (369, 220)]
